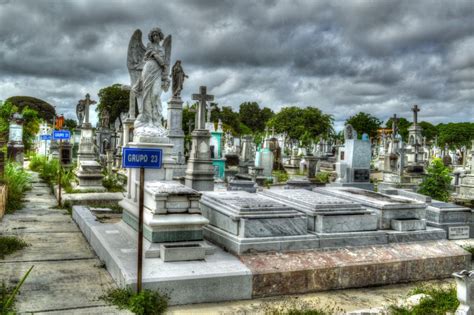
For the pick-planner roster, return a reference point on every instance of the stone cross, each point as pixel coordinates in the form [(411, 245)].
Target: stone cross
[(202, 97), (87, 103), (415, 110)]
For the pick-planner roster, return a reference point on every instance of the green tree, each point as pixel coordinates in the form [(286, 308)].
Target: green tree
[(429, 130), (437, 181), (230, 120), (302, 123), (403, 125), (364, 123), (455, 135), (253, 117), (70, 124), (189, 114), (45, 110), (30, 125), (115, 100)]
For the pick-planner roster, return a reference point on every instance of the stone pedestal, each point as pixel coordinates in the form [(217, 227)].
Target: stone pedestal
[(171, 210), (90, 176), (89, 171), (200, 172), (86, 145), (312, 163), (15, 152), (176, 134)]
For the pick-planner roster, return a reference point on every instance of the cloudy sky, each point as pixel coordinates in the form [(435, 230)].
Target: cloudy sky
[(342, 56)]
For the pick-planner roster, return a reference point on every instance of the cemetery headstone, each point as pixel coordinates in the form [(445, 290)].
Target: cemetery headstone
[(15, 147)]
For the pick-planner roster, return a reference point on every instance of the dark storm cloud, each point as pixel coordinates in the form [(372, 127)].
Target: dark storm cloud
[(375, 56)]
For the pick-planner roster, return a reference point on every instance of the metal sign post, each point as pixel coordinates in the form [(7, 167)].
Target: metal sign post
[(59, 175), (141, 158)]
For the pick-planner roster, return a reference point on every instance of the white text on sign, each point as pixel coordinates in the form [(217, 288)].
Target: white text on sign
[(142, 158)]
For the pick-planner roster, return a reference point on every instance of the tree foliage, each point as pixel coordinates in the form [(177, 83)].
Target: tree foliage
[(429, 131), (70, 124), (253, 117), (45, 110), (30, 125), (455, 135), (299, 123), (437, 181), (364, 123), (115, 100), (403, 125)]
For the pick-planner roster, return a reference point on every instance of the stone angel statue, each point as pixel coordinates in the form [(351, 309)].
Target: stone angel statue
[(80, 111), (149, 68)]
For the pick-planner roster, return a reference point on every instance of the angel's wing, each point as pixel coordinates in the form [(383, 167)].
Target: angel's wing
[(167, 47), (136, 52)]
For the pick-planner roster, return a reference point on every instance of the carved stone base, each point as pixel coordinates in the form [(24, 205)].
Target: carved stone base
[(200, 172)]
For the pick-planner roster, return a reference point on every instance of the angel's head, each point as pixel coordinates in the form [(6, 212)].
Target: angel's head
[(155, 35)]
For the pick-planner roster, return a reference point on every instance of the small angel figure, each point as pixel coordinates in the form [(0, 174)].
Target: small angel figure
[(80, 111), (149, 71), (178, 76)]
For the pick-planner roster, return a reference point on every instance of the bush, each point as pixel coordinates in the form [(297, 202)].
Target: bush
[(322, 177), (37, 162), (437, 181), (49, 170), (281, 176), (112, 183), (439, 301), (144, 303), (10, 244), (17, 181)]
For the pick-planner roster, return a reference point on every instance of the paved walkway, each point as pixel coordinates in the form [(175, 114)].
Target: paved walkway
[(67, 277)]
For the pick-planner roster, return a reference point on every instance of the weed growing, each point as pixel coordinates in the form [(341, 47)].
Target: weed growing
[(146, 302), (17, 181), (439, 301), (10, 244)]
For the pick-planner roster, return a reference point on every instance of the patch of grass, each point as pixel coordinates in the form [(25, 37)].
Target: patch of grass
[(10, 244), (281, 176), (322, 177), (144, 303), (439, 301), (17, 181), (295, 306)]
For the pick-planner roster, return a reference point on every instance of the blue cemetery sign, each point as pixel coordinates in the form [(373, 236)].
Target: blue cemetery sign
[(45, 137), (61, 134), (146, 158)]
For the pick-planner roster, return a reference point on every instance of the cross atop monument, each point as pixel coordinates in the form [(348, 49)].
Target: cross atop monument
[(415, 110), (202, 97), (87, 102)]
